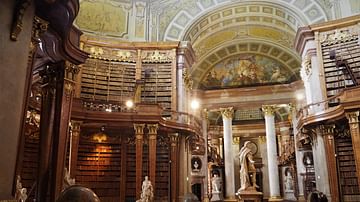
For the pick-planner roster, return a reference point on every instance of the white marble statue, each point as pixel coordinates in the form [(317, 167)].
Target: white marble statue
[(147, 192), (288, 182), (20, 194), (68, 181), (216, 183), (247, 168)]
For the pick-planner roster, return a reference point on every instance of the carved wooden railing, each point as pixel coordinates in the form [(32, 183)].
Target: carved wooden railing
[(168, 118), (330, 107), (309, 109)]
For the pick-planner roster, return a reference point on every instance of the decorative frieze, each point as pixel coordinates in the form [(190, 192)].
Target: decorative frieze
[(338, 36), (157, 56)]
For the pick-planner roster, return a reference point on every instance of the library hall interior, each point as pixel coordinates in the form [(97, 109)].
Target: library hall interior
[(180, 100)]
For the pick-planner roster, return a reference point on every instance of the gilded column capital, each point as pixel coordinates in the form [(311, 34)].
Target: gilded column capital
[(75, 127), (353, 117), (174, 138), (71, 70), (152, 128), (188, 81), (262, 139), (227, 112), (139, 128), (269, 109), (327, 129)]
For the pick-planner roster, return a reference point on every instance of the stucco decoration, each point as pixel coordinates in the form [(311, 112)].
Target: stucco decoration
[(109, 18)]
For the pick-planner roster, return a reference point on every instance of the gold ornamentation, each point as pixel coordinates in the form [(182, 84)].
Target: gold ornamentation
[(236, 140), (262, 139), (327, 129), (353, 117), (96, 51), (39, 27), (124, 55), (306, 64), (71, 70), (338, 36), (156, 57), (139, 128), (188, 81), (174, 138), (68, 89), (269, 109), (75, 127), (152, 128), (17, 27), (227, 112)]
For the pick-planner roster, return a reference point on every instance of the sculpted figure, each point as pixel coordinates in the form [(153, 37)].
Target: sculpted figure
[(147, 192), (216, 184), (247, 168), (20, 194)]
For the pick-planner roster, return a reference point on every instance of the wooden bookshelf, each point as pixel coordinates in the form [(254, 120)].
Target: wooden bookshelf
[(337, 78), (98, 167), (29, 169), (107, 80), (349, 188), (162, 173), (130, 194), (157, 86)]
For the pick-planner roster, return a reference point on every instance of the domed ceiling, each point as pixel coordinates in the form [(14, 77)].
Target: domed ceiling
[(237, 43)]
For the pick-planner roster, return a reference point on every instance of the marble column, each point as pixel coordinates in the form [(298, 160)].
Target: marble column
[(152, 152), (227, 115), (139, 140), (271, 145), (353, 118)]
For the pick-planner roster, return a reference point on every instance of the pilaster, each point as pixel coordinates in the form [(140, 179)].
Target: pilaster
[(152, 152), (139, 141), (74, 147), (174, 155), (353, 118), (328, 134)]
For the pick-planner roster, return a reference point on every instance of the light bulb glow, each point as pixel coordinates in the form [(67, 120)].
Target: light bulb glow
[(195, 104), (129, 104)]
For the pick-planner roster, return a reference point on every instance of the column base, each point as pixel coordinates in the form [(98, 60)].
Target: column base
[(275, 198), (230, 200), (301, 199), (249, 195)]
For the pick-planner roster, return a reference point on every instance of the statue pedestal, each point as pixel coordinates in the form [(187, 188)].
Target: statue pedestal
[(249, 195), (216, 196)]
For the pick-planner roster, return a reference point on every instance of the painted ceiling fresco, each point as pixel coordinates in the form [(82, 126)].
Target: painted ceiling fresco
[(246, 70)]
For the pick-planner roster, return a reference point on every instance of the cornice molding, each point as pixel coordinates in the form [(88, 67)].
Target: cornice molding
[(303, 35)]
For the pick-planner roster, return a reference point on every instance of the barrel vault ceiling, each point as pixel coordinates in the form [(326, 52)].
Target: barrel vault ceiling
[(226, 35)]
